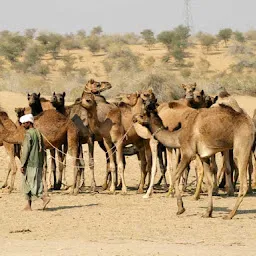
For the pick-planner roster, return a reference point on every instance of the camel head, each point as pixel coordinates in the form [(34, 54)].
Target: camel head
[(147, 95), (88, 100), (189, 90), (33, 99), (129, 99), (142, 119), (19, 112), (95, 87), (199, 97), (58, 99), (210, 100)]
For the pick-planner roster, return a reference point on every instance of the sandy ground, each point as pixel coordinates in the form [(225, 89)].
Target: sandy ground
[(103, 224)]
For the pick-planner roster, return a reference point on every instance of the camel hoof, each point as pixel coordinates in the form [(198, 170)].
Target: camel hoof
[(105, 186), (7, 190), (140, 191), (196, 198), (227, 217), (179, 212), (57, 186), (146, 196), (207, 215)]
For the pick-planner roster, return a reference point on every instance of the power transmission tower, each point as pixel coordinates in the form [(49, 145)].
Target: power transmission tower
[(188, 15)]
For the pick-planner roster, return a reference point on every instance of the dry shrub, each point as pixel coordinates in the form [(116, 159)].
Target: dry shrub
[(185, 72), (163, 82), (121, 58), (203, 65)]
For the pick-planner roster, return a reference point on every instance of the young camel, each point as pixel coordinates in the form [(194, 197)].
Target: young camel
[(199, 137), (56, 130)]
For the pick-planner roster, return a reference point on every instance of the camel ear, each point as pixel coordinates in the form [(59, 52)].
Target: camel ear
[(53, 94), (150, 90), (28, 96), (194, 86), (38, 95), (91, 81), (215, 99), (202, 92), (183, 86), (16, 110), (63, 94)]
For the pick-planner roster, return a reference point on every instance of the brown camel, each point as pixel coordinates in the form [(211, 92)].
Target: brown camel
[(56, 130), (200, 137)]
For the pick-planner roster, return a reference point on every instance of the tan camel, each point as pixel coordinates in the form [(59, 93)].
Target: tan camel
[(122, 119), (109, 130), (254, 155), (56, 130), (200, 136), (12, 151)]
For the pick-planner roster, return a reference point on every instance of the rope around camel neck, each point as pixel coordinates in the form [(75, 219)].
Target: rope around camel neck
[(66, 154)]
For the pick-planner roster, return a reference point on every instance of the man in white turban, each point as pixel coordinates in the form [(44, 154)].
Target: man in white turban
[(32, 160)]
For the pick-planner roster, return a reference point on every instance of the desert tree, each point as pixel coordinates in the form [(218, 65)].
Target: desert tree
[(206, 40), (93, 43), (239, 37), (148, 36), (96, 31), (225, 35), (12, 45)]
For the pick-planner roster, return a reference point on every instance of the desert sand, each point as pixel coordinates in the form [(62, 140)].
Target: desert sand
[(103, 224)]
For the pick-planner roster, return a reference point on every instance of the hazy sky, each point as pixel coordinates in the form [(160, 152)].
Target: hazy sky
[(121, 16)]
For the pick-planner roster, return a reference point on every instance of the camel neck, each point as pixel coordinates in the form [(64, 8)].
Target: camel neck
[(36, 109), (164, 136), (93, 120)]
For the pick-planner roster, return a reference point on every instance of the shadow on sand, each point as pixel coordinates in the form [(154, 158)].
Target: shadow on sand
[(51, 209)]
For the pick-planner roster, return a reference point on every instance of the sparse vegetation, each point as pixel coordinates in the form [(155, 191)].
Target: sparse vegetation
[(48, 60)]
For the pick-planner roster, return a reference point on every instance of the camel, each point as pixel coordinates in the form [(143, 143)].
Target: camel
[(56, 130), (112, 124), (199, 136), (79, 116), (193, 100), (12, 151)]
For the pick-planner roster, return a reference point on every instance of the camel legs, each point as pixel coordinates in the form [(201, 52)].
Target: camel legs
[(162, 158), (62, 167), (254, 171), (154, 149), (12, 167), (200, 175), (143, 166), (173, 157), (241, 158), (175, 181), (44, 174), (120, 164), (108, 146), (209, 180), (91, 163), (53, 169)]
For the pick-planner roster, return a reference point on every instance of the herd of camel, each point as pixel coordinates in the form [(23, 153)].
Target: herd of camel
[(195, 127)]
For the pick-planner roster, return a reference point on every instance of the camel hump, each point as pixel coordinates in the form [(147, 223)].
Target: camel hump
[(228, 101), (174, 104)]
